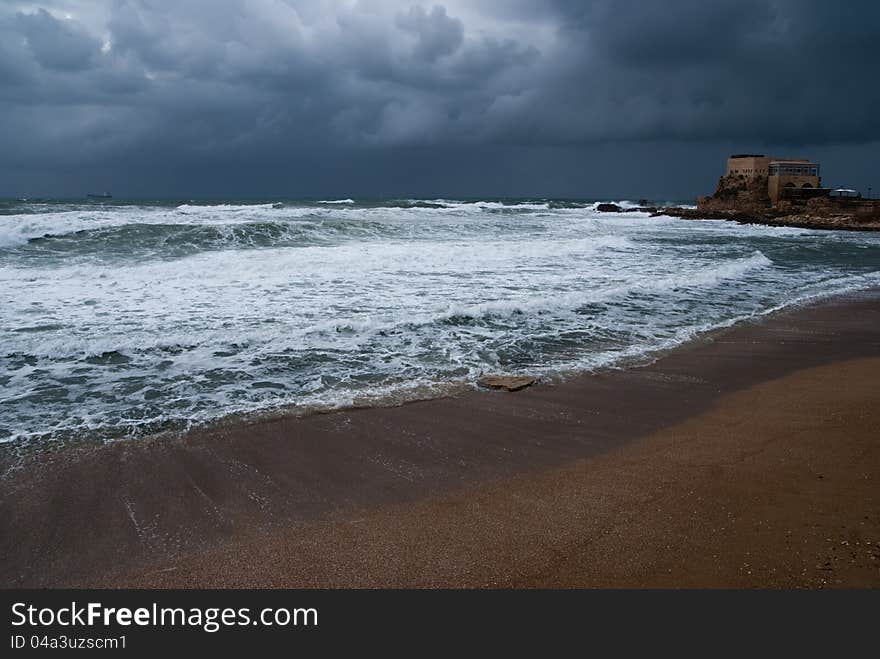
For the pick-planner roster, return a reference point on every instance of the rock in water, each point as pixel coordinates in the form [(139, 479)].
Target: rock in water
[(506, 382), (608, 208)]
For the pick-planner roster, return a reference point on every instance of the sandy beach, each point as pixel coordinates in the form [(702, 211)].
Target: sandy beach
[(749, 458)]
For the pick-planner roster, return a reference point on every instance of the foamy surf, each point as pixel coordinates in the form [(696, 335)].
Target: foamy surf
[(126, 319), (225, 208)]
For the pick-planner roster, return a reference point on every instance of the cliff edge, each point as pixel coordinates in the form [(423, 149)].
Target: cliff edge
[(738, 193), (746, 200)]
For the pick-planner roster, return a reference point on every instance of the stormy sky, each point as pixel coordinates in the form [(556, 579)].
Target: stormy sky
[(578, 98)]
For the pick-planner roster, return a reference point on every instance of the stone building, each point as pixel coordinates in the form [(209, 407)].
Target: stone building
[(787, 175), (747, 165), (784, 175)]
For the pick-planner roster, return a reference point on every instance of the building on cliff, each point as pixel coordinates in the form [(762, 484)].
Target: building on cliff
[(748, 165), (791, 178), (786, 177), (764, 189)]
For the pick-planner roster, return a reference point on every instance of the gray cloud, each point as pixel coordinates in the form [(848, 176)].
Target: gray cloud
[(57, 45), (437, 34), (246, 85)]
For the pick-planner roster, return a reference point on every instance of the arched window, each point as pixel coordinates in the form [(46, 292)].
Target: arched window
[(806, 185)]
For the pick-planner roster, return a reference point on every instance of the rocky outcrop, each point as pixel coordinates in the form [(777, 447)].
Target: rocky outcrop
[(609, 208), (817, 216), (697, 214), (825, 221), (738, 193), (745, 200)]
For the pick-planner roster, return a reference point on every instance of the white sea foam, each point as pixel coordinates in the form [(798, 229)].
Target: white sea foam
[(337, 201), (224, 208), (479, 206), (19, 229), (16, 230), (319, 306)]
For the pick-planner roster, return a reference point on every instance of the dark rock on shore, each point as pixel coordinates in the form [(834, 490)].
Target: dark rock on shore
[(697, 214), (802, 218), (609, 208)]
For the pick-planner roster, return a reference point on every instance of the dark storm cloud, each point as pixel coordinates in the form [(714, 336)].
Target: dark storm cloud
[(783, 71), (254, 81), (57, 45), (437, 33)]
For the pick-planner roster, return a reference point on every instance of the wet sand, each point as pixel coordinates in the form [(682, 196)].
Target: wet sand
[(749, 458)]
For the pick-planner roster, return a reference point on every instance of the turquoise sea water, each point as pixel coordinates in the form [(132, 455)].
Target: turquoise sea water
[(119, 318)]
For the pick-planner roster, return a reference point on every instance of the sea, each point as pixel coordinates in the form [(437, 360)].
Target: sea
[(122, 318)]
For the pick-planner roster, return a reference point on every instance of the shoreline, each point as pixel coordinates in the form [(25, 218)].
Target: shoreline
[(110, 515), (20, 453), (795, 220), (745, 495)]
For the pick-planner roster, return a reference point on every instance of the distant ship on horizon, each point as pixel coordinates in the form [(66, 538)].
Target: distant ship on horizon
[(103, 195)]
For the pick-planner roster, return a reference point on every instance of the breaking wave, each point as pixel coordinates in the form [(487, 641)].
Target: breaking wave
[(134, 317), (225, 208)]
